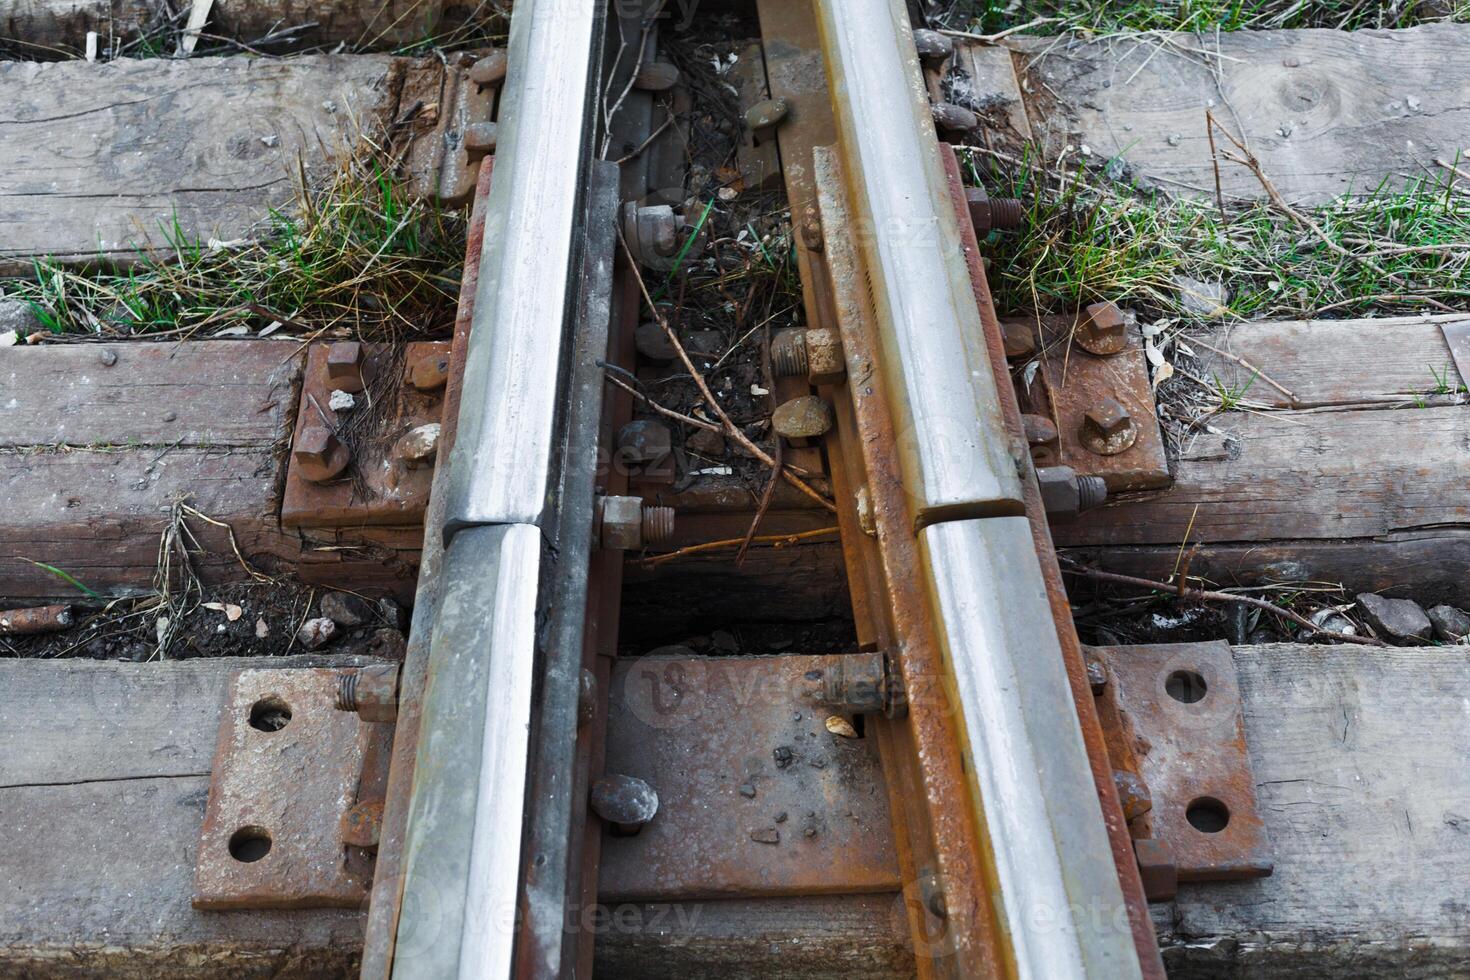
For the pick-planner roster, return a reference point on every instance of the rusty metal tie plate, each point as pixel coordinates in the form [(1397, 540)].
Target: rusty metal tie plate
[(756, 796), (1182, 702), (286, 767)]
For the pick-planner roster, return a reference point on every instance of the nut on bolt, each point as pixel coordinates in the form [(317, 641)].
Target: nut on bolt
[(371, 691), (627, 803), (1107, 428), (490, 70), (999, 213), (933, 47), (1066, 493), (319, 455), (951, 118), (626, 524), (1103, 330), (346, 367)]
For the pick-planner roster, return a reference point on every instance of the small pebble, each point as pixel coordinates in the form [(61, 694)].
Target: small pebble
[(109, 358), (316, 633), (1174, 139), (271, 140), (341, 401), (170, 416), (747, 791)]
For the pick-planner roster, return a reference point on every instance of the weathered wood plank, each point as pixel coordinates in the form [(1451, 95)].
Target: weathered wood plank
[(103, 160), (1326, 112), (102, 788), (1351, 474), (1360, 758), (984, 80), (152, 393), (63, 24), (1392, 360)]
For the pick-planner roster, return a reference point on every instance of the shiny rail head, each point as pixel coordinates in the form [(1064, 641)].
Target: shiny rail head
[(956, 458), (1061, 902), (501, 460), (462, 842)]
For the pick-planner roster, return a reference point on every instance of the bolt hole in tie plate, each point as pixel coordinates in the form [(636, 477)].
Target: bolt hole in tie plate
[(286, 766), (1179, 706)]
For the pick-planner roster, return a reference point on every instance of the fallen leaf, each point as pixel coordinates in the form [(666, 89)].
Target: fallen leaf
[(216, 606), (261, 629), (233, 612), (838, 725)]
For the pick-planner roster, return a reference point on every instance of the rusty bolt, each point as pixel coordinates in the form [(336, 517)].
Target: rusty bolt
[(1020, 337), (490, 70), (626, 524), (370, 691), (1107, 428), (655, 76), (1157, 869), (625, 802), (345, 369), (657, 524), (429, 372), (933, 47), (788, 353), (363, 825), (319, 455), (1066, 493), (999, 213), (1039, 430), (826, 363), (1132, 793), (811, 230), (418, 447), (867, 520), (1103, 331), (480, 138), (951, 118), (765, 115), (1097, 675)]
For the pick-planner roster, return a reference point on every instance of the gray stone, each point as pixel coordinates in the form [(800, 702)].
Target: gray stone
[(346, 609), (1450, 624), (18, 317), (316, 633), (393, 613), (1399, 620)]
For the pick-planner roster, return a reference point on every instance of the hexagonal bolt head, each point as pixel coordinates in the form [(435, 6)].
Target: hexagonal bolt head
[(627, 803), (490, 70), (1065, 493), (620, 523), (807, 417), (1132, 793), (1103, 330), (1107, 428), (652, 233), (951, 118), (644, 441), (345, 367), (933, 47), (319, 455), (765, 115), (826, 362)]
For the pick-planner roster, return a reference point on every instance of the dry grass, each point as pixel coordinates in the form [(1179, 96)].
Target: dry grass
[(1111, 16)]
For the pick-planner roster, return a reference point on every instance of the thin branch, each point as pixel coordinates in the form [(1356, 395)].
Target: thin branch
[(1202, 595), (777, 540)]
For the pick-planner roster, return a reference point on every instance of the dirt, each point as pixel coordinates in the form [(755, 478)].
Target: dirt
[(127, 629)]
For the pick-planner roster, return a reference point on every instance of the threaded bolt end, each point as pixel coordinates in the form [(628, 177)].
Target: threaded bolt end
[(1006, 213), (1091, 491), (788, 354), (658, 524), (347, 691)]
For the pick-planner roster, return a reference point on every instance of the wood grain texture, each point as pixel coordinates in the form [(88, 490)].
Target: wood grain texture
[(106, 160), (103, 786), (63, 24), (1360, 107), (983, 79), (1352, 474), (1360, 758), (1392, 360), (200, 393)]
